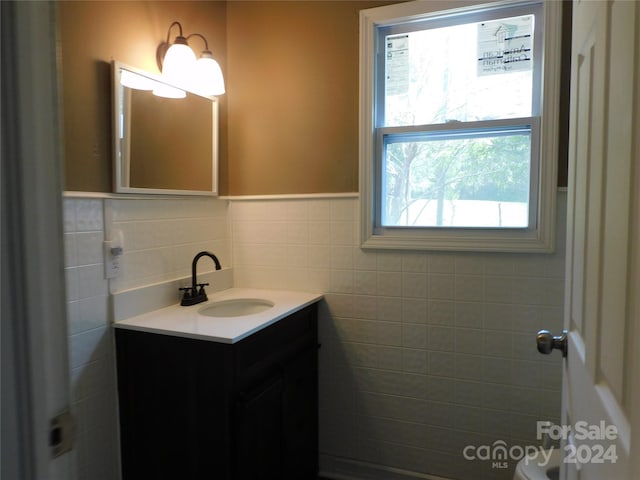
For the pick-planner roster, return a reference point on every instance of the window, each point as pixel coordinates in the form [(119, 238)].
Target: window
[(458, 120)]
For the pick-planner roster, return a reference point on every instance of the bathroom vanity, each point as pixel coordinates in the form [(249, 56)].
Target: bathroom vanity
[(232, 396)]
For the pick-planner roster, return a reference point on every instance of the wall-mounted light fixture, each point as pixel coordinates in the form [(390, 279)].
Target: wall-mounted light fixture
[(179, 67)]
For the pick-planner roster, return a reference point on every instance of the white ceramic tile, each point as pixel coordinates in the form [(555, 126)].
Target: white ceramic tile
[(87, 314), (342, 281), (523, 346), (414, 285), (443, 414), (441, 363), (469, 418), (499, 343), (341, 257), (89, 215), (414, 360), (389, 284), (365, 282), (467, 392), (339, 305), (71, 277), (525, 373), (297, 256), (498, 289), (469, 314), (469, 288), (69, 214), (442, 263), (319, 210), (364, 259), (70, 255), (88, 345), (389, 262), (470, 263), (91, 281), (389, 334), (470, 367), (441, 338), (502, 397), (414, 310), (501, 263), (318, 280), (89, 248), (501, 316), (343, 210), (414, 335), (526, 400), (441, 312), (389, 308), (441, 287), (364, 307), (440, 389), (297, 233), (389, 358), (319, 232), (415, 262), (351, 330), (342, 233), (469, 340), (360, 354), (496, 370), (499, 423)]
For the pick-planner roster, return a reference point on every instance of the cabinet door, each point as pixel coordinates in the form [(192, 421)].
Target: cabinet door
[(259, 432), (173, 407), (300, 415)]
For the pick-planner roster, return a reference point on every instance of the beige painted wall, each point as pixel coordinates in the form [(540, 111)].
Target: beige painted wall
[(292, 78), (293, 96), (92, 34), (289, 119)]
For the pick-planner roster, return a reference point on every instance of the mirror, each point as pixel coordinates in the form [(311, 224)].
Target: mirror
[(162, 145)]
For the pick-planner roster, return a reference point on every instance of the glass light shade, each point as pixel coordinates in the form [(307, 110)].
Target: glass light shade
[(207, 79), (135, 81), (178, 64)]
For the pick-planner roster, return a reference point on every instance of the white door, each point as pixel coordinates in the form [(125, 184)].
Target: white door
[(35, 367), (600, 387)]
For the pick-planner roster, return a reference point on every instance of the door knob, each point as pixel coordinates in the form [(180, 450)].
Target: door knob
[(546, 342)]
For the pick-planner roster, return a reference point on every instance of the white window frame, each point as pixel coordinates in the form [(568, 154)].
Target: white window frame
[(540, 235)]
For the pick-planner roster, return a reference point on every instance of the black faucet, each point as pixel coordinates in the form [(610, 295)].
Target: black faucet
[(195, 293)]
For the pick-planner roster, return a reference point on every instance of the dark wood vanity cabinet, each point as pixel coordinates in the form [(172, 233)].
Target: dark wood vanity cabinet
[(196, 409)]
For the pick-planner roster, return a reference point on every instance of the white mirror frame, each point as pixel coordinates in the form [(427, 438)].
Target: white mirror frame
[(121, 158)]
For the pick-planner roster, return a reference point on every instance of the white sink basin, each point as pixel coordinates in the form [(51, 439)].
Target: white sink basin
[(236, 307)]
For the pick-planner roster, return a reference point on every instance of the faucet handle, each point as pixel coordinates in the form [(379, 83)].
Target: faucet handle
[(186, 291), (202, 285)]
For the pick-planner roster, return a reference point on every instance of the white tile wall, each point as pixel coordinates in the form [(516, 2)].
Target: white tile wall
[(423, 353), (90, 342), (161, 237)]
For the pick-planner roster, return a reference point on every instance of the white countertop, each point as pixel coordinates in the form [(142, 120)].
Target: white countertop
[(187, 322)]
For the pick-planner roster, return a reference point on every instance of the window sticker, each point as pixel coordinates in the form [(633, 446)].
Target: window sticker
[(397, 65), (505, 45)]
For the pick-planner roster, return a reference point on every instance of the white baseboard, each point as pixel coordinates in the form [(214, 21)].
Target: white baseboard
[(337, 468)]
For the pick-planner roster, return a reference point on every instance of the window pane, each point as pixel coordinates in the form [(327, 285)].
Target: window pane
[(470, 72), (472, 180)]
